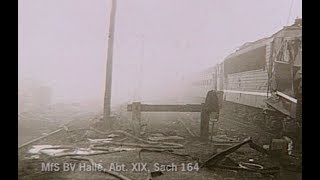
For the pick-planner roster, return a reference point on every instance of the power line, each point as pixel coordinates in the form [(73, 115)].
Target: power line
[(290, 12)]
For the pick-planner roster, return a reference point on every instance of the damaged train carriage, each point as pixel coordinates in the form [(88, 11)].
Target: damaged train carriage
[(285, 77), (267, 74), (261, 82)]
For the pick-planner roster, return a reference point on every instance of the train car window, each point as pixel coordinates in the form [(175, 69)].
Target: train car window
[(248, 61)]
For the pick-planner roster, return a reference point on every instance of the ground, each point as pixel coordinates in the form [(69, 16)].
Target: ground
[(167, 124)]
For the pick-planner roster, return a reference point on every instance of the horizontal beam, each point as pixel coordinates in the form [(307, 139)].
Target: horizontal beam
[(168, 108)]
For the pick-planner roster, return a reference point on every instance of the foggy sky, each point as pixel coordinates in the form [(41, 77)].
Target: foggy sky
[(63, 43)]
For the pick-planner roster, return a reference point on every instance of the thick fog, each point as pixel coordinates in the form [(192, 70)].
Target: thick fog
[(63, 43)]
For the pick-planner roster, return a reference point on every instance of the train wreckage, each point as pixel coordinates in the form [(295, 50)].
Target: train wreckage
[(265, 76)]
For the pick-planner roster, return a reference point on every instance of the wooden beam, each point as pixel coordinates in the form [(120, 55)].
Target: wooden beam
[(168, 108), (137, 108)]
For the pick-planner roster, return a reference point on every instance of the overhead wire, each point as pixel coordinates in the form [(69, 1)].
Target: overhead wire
[(289, 15)]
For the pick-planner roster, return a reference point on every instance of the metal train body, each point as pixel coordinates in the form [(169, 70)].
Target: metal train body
[(264, 74)]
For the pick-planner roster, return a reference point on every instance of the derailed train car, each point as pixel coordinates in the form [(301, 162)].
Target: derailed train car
[(265, 75)]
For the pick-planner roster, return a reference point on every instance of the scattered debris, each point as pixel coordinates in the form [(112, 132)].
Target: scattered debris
[(271, 170), (279, 147), (291, 164), (170, 151), (33, 157), (266, 147), (125, 133), (290, 145), (222, 145), (149, 143), (157, 135), (223, 139), (213, 160), (109, 142), (37, 148), (112, 135), (73, 152), (152, 174), (60, 151), (258, 148), (100, 140), (165, 138), (113, 149), (228, 161), (39, 138), (251, 167), (156, 173), (53, 152), (159, 146), (186, 127)]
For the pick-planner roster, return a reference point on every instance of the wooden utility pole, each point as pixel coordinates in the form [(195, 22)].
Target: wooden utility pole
[(107, 96)]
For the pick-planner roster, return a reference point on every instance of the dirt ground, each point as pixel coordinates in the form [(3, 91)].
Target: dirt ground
[(194, 152)]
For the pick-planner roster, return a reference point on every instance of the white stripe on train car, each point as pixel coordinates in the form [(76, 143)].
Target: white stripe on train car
[(261, 94), (264, 94)]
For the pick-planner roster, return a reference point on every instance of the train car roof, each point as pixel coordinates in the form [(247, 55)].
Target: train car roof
[(293, 31), (249, 46)]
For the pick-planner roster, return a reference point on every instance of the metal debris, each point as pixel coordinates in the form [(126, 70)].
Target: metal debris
[(152, 174), (213, 160), (250, 167)]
